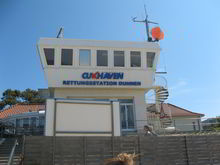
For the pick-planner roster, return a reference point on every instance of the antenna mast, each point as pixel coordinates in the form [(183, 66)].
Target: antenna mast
[(146, 21)]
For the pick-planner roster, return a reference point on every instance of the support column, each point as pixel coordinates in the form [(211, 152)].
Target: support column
[(116, 118), (49, 123)]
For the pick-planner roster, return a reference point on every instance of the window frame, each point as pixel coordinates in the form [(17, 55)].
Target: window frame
[(61, 55), (123, 58), (126, 115), (135, 55), (28, 119), (54, 62), (97, 58), (90, 58), (152, 61)]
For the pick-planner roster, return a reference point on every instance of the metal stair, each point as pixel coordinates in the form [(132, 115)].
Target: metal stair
[(161, 94), (6, 148)]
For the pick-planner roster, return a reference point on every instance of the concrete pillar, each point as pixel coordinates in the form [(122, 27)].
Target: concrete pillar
[(49, 122), (116, 119)]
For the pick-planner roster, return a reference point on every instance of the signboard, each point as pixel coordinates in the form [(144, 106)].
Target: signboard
[(102, 79)]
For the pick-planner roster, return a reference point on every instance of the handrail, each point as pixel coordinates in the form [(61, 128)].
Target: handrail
[(11, 158), (22, 152), (160, 81)]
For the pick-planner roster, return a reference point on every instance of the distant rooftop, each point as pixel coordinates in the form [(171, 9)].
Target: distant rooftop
[(179, 112), (21, 108)]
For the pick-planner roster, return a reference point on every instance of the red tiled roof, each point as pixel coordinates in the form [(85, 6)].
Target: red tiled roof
[(21, 108), (178, 112)]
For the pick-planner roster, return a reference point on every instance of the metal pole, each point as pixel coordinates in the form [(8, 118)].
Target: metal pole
[(11, 157)]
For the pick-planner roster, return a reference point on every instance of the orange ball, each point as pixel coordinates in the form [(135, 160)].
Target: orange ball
[(157, 33)]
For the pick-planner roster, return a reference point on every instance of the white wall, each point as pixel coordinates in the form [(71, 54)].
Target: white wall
[(83, 117), (57, 73), (186, 123), (138, 95)]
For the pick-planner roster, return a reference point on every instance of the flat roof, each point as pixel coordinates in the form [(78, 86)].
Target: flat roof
[(99, 43)]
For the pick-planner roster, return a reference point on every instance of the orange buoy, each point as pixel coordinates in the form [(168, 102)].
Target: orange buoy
[(157, 33)]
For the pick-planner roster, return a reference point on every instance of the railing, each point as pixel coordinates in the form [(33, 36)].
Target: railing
[(22, 151), (11, 157), (182, 126), (160, 81)]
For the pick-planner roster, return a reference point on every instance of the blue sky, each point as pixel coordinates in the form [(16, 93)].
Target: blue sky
[(189, 50)]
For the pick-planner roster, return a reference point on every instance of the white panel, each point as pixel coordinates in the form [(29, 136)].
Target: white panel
[(116, 117), (83, 117), (49, 117)]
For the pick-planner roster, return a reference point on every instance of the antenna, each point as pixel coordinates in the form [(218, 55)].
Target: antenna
[(60, 33), (146, 21)]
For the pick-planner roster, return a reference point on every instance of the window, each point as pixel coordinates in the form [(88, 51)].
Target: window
[(84, 57), (150, 59), (49, 54), (135, 59), (33, 122), (127, 114), (119, 60), (67, 57), (18, 123), (26, 122), (41, 121), (102, 58)]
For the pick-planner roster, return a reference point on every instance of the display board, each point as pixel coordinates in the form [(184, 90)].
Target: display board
[(89, 118)]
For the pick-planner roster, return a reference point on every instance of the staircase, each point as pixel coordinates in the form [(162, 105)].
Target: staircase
[(161, 94), (6, 148), (157, 117)]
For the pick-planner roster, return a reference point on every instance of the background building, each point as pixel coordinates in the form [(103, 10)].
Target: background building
[(23, 119)]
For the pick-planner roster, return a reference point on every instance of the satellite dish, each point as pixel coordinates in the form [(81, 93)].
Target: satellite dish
[(157, 33)]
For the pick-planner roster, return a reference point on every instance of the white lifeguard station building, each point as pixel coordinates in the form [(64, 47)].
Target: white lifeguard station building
[(97, 87)]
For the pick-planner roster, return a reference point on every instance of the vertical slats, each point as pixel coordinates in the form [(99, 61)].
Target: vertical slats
[(167, 150)]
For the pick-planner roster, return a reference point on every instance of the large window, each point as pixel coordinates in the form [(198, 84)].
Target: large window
[(119, 59), (150, 59), (135, 59), (84, 57), (102, 58), (127, 114), (49, 55), (67, 57)]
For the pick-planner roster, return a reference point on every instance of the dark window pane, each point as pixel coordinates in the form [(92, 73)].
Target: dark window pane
[(123, 117), (49, 54), (41, 121), (130, 116), (84, 57), (67, 57), (102, 58), (26, 122), (33, 122), (150, 59), (119, 60), (18, 123), (135, 59)]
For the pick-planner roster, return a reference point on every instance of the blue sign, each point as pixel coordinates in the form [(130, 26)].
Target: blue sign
[(102, 83), (103, 75), (96, 76)]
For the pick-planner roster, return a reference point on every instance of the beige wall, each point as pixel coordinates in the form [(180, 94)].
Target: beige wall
[(87, 118), (136, 94), (186, 123)]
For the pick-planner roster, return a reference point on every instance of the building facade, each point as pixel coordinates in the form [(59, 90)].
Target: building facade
[(102, 70)]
